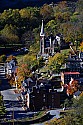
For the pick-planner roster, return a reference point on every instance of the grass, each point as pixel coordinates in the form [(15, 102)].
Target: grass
[(65, 51), (19, 57)]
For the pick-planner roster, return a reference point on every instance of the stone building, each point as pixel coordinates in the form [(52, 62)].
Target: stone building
[(42, 96), (50, 44)]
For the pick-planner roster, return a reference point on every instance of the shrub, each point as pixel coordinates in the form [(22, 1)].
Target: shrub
[(2, 58)]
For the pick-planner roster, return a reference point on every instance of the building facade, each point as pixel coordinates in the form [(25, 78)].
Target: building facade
[(41, 97), (49, 44), (44, 99)]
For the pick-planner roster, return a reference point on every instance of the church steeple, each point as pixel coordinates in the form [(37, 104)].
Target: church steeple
[(42, 29), (42, 38)]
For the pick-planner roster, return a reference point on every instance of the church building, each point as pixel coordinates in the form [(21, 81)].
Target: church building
[(49, 45)]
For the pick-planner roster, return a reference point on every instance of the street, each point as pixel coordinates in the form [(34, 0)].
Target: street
[(11, 102), (14, 106)]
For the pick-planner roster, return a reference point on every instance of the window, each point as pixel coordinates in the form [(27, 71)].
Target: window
[(44, 100), (52, 96), (44, 95), (52, 100), (52, 105)]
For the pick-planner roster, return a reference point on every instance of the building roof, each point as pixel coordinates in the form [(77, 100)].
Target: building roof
[(14, 69), (71, 73), (77, 93), (28, 80)]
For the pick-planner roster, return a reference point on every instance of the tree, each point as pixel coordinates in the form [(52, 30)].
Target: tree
[(30, 15), (22, 72), (51, 27), (5, 16), (10, 16), (10, 33), (3, 40), (40, 62), (14, 17), (2, 108), (34, 48), (71, 117), (11, 57), (25, 13), (28, 38), (77, 112), (72, 87), (47, 12), (56, 62), (3, 58), (61, 12), (81, 46)]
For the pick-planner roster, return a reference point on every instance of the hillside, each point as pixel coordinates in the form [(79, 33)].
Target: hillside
[(6, 4)]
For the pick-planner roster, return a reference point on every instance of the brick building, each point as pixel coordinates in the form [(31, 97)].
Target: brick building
[(66, 76), (73, 68), (41, 98)]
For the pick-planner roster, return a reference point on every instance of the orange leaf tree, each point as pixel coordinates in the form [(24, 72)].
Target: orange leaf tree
[(22, 72), (72, 88)]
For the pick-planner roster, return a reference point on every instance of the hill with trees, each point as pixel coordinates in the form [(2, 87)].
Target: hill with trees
[(19, 4), (22, 26)]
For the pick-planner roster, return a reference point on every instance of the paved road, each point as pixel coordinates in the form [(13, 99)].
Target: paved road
[(3, 81), (54, 113), (13, 105), (10, 98)]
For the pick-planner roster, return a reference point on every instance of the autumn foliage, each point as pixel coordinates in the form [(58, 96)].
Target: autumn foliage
[(81, 46), (11, 57), (72, 87), (22, 72)]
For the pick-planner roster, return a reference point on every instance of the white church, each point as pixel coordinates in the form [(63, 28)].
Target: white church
[(49, 44)]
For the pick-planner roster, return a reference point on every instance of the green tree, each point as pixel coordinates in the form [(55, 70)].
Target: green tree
[(30, 15), (51, 27), (5, 16), (9, 32), (56, 61), (47, 12), (71, 117), (3, 40), (3, 58), (61, 12), (10, 16), (81, 46), (30, 60), (2, 108)]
